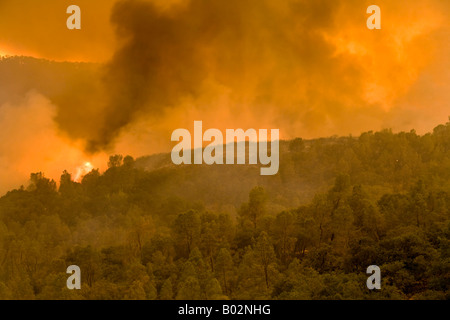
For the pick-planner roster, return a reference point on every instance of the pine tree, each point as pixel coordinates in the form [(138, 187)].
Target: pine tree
[(189, 289), (264, 254), (224, 269), (166, 290)]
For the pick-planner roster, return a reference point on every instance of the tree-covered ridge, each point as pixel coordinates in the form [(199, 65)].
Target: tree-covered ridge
[(145, 229)]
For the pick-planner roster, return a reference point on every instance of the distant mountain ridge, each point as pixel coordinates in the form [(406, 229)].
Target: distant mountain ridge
[(381, 161)]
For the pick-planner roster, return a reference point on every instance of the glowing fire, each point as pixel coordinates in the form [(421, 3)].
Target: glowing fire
[(82, 171), (4, 52)]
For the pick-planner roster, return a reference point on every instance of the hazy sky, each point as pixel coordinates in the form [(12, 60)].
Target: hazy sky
[(309, 68)]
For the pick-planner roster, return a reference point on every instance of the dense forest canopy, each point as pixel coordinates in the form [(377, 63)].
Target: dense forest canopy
[(146, 229)]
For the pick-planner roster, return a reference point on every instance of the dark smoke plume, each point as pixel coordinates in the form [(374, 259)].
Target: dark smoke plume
[(266, 54)]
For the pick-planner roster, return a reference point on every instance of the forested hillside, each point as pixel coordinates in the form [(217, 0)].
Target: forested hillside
[(146, 229)]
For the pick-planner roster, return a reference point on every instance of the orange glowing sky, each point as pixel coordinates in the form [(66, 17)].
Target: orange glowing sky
[(38, 28), (309, 68)]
